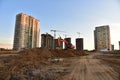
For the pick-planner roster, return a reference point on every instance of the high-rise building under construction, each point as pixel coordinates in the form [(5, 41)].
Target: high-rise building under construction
[(47, 41), (79, 44), (102, 38), (27, 32)]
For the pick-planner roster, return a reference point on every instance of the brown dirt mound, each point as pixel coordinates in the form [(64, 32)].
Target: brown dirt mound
[(67, 53), (48, 53), (39, 52), (30, 63)]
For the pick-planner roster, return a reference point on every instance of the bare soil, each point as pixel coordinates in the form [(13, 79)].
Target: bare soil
[(48, 64)]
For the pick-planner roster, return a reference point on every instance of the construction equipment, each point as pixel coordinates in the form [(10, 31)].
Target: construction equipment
[(78, 34), (55, 32), (66, 35), (68, 45), (55, 36)]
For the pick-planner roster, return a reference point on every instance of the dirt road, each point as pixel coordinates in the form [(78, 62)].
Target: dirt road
[(45, 64), (91, 68)]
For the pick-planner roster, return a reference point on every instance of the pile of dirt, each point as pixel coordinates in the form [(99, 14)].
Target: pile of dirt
[(39, 52), (49, 53), (67, 53), (8, 52), (31, 64)]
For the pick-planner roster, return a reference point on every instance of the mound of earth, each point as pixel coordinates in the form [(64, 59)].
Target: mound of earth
[(67, 53), (31, 64)]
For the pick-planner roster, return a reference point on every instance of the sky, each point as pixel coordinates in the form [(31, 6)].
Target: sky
[(70, 16)]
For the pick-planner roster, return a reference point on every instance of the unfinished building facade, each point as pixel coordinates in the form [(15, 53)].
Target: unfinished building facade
[(47, 41), (102, 38), (79, 44), (27, 32)]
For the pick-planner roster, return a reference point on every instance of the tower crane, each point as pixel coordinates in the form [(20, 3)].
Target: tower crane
[(78, 34), (55, 32), (66, 35), (55, 36)]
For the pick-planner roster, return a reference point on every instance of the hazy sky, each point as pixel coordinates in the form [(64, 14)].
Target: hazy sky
[(71, 16)]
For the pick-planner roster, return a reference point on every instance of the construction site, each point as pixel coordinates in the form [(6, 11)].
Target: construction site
[(57, 58), (59, 64)]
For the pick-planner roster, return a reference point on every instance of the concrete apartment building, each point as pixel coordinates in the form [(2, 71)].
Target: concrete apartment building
[(27, 32), (102, 38), (47, 41), (79, 44)]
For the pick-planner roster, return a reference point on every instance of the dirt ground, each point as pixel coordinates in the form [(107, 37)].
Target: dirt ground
[(47, 64), (95, 66)]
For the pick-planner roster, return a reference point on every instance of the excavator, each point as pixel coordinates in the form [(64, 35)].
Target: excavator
[(67, 44)]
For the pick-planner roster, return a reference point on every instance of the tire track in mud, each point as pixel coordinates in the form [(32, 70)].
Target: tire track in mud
[(89, 68)]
